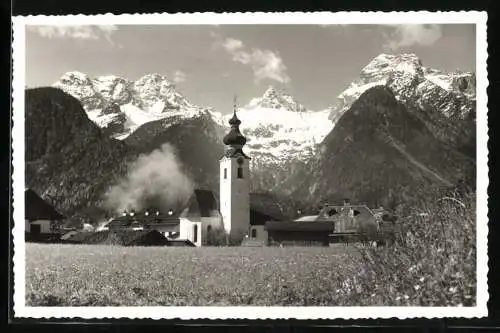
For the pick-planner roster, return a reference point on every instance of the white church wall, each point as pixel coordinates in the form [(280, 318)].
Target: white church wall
[(235, 196), (212, 221)]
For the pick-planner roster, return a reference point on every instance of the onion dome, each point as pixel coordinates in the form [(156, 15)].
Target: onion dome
[(234, 140), (234, 121), (234, 137)]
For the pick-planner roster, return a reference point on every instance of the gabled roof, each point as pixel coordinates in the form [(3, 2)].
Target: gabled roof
[(267, 205), (299, 226), (35, 208), (326, 212), (203, 202)]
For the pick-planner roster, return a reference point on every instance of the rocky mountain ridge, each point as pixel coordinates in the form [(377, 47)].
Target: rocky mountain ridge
[(445, 102), (379, 153), (120, 106), (279, 129)]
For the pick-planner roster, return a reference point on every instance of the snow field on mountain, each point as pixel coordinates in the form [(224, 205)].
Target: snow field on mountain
[(280, 132)]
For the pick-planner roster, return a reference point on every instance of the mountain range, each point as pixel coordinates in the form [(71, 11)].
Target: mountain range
[(398, 125)]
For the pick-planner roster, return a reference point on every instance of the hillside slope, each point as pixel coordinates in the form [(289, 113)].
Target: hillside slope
[(69, 161), (444, 102), (378, 152), (72, 163)]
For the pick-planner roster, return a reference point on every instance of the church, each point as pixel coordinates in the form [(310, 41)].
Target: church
[(233, 211)]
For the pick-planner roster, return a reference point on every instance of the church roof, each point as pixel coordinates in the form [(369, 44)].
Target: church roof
[(234, 120), (35, 208), (234, 137), (203, 202), (235, 152)]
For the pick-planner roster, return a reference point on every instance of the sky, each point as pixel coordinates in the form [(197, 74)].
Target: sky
[(210, 64)]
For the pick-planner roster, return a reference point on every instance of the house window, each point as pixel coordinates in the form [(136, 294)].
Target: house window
[(195, 233), (254, 233), (240, 172), (225, 173), (209, 228), (36, 228)]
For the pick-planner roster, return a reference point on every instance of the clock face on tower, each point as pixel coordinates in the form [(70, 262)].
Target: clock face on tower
[(240, 160)]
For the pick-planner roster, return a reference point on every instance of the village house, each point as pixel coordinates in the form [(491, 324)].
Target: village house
[(40, 216)]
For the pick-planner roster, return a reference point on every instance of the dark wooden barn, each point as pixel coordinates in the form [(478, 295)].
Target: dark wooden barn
[(295, 233)]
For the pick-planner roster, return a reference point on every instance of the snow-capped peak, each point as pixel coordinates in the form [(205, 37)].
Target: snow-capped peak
[(124, 105), (384, 64), (80, 86), (154, 79), (406, 76), (275, 99), (75, 76)]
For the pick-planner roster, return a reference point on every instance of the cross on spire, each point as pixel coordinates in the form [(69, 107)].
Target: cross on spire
[(235, 104)]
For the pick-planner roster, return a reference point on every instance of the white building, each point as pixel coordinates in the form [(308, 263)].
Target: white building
[(235, 183), (40, 216)]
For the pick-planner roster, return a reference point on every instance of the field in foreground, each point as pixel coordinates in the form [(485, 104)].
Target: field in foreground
[(433, 262), (95, 275)]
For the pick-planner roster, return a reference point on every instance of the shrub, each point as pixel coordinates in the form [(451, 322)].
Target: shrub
[(433, 260)]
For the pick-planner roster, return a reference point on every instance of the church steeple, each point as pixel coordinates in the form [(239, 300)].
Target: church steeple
[(234, 182), (234, 139)]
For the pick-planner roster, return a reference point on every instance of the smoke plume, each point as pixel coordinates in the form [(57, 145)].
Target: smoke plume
[(153, 181)]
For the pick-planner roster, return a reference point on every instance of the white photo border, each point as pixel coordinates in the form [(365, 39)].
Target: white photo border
[(250, 312)]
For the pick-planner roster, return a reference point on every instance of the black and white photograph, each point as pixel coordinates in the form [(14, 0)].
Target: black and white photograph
[(250, 166)]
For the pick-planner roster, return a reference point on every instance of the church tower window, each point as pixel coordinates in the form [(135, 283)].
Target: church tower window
[(240, 172), (225, 173)]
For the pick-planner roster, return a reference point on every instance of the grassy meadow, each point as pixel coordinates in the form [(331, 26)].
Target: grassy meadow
[(433, 263), (110, 275)]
